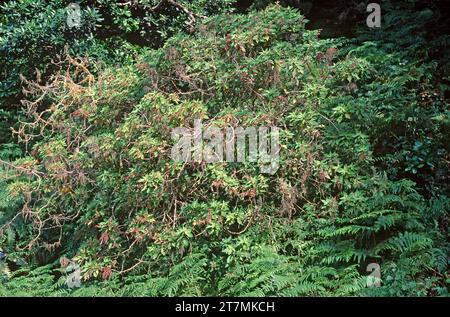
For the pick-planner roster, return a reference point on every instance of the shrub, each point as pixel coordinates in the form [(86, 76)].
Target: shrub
[(99, 186)]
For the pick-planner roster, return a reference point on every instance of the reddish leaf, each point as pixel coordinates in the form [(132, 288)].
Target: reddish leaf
[(106, 273), (104, 238)]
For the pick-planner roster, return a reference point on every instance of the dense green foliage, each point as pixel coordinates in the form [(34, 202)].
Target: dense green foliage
[(363, 166), (33, 34)]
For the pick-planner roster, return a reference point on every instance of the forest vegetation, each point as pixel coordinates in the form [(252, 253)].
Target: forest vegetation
[(87, 178)]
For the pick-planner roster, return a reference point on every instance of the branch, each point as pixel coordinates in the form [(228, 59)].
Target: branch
[(192, 15), (186, 10), (22, 169)]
